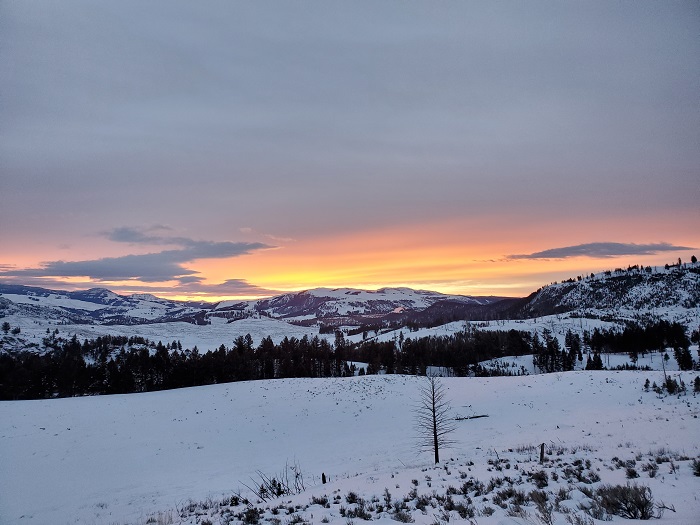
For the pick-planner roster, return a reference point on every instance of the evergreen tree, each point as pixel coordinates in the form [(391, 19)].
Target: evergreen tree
[(684, 358), (594, 363)]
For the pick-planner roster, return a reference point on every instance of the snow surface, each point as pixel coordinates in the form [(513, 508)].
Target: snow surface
[(129, 458), (137, 458), (558, 325), (141, 306), (54, 300), (208, 337), (422, 298), (333, 302), (342, 301)]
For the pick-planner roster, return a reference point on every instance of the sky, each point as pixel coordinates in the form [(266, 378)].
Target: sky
[(240, 149)]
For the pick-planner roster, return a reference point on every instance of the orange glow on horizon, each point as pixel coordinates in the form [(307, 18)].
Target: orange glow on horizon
[(465, 256), (455, 258)]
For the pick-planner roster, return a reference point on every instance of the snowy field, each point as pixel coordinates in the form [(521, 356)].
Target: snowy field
[(208, 337), (174, 456), (558, 325)]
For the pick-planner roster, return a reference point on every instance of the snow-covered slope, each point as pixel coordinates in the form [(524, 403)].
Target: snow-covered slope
[(342, 302), (208, 337), (102, 306), (634, 289), (578, 305), (142, 458), (96, 306), (95, 312)]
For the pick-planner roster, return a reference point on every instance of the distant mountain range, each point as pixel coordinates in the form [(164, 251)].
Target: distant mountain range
[(97, 306), (343, 305), (633, 289)]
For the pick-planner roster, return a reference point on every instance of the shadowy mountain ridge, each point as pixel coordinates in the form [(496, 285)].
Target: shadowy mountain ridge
[(634, 289)]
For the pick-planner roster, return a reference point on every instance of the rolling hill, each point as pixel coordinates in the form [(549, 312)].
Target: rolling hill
[(619, 296)]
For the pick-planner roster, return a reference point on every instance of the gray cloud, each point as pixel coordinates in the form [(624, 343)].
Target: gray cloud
[(189, 285), (234, 287), (469, 106), (190, 279), (165, 265), (132, 235), (127, 234), (152, 267), (601, 250), (337, 118)]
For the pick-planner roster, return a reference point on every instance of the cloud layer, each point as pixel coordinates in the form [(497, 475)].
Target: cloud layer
[(218, 113), (324, 128), (165, 265), (230, 287), (601, 250)]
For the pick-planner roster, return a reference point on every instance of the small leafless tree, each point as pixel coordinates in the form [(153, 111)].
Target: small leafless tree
[(434, 423)]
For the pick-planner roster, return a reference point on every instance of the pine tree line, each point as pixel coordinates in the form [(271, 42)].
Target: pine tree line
[(117, 364)]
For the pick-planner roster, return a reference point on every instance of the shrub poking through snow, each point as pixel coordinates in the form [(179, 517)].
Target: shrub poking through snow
[(402, 516), (539, 478), (320, 500), (289, 482), (251, 516), (696, 467), (651, 469), (544, 507), (627, 501)]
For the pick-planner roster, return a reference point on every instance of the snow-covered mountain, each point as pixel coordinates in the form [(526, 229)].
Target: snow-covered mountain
[(632, 289), (96, 306), (101, 306), (349, 302), (672, 294)]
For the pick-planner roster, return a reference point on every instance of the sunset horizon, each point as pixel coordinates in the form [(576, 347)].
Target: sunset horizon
[(240, 151), (332, 262), (528, 274)]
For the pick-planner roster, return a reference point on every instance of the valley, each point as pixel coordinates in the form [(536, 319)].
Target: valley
[(197, 455)]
